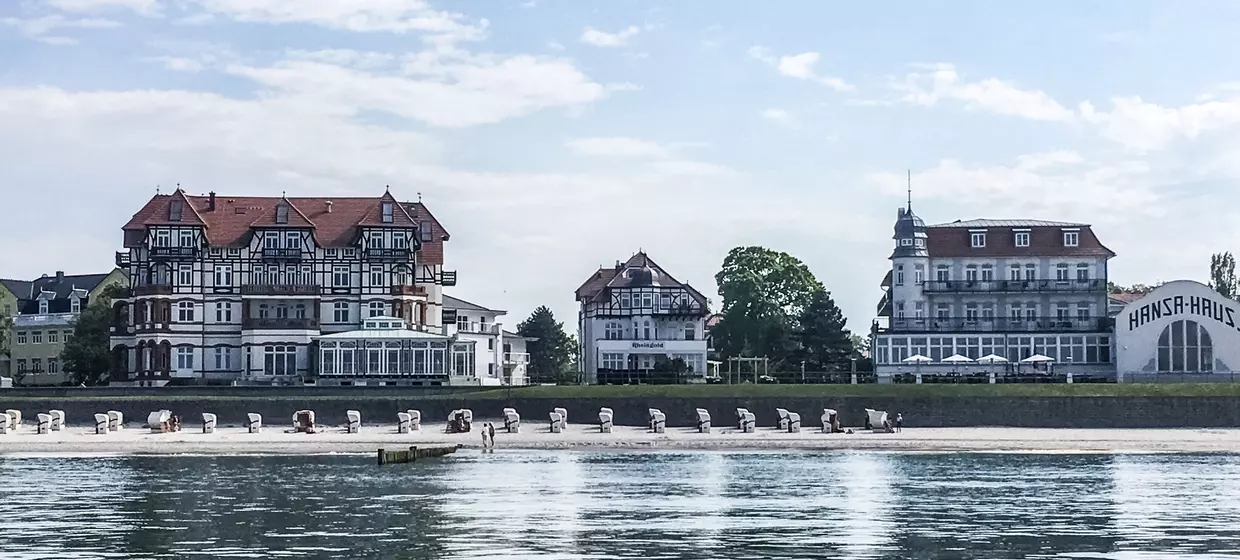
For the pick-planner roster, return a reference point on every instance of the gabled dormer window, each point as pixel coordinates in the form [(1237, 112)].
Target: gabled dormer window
[(43, 307), (387, 212), (282, 214), (1071, 239), (977, 239), (75, 305), (175, 209)]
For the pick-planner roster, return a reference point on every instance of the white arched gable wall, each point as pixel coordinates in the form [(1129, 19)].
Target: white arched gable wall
[(1184, 311)]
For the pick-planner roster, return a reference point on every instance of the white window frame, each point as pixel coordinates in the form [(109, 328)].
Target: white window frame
[(223, 358), (53, 337), (185, 238), (1022, 239), (185, 275), (223, 275), (43, 307), (340, 312), (977, 239), (223, 312), (36, 337), (185, 357), (339, 272), (185, 312), (1071, 239), (75, 305)]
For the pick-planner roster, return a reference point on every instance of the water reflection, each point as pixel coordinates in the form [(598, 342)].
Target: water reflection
[(624, 505)]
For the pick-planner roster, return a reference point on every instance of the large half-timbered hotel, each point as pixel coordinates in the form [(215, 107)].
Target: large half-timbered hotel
[(340, 290), (1011, 288), (635, 314)]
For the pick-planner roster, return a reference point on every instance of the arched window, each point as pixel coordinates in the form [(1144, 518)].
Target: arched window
[(1185, 346), (646, 331)]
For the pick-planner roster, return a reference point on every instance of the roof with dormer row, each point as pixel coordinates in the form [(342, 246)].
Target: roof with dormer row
[(595, 287), (335, 221)]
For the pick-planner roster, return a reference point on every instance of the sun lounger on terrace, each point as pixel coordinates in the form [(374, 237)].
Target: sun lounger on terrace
[(116, 421), (557, 423), (703, 421), (208, 423), (58, 419), (254, 422), (658, 421), (102, 422), (605, 420), (355, 421)]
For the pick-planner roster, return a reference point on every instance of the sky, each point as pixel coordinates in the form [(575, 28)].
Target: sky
[(552, 137)]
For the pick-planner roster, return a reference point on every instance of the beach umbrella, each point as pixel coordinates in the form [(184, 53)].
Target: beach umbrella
[(957, 359), (992, 359), (1037, 359), (916, 359)]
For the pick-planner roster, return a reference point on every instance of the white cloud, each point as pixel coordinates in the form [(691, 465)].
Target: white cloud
[(800, 66), (777, 115), (179, 64), (592, 36), (441, 87), (40, 28), (147, 7), (990, 95), (617, 147), (554, 45), (1143, 126)]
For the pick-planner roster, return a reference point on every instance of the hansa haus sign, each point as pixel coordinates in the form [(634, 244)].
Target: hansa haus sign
[(1183, 306)]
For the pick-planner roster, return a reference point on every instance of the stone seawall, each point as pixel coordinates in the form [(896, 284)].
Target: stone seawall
[(1032, 412)]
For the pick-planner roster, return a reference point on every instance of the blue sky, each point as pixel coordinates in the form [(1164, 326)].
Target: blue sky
[(554, 136)]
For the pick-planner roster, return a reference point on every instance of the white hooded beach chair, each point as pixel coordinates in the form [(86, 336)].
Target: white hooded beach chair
[(355, 421), (303, 421), (557, 423), (402, 422), (878, 420), (605, 420), (830, 421), (58, 419), (253, 422), (658, 421), (4, 424), (15, 418), (703, 421), (563, 415), (749, 422), (794, 422), (116, 420), (159, 421), (415, 420), (102, 422), (208, 423), (44, 423), (740, 418), (512, 420), (782, 424)]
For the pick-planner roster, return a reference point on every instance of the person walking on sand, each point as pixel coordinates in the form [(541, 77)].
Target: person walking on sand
[(899, 422), (491, 433), (484, 438)]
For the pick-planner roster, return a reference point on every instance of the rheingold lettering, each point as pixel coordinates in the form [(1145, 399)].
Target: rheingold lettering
[(1181, 305), (647, 344)]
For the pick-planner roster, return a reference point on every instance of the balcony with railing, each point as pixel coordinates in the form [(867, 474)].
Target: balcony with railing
[(123, 259), (408, 290), (152, 290), (174, 253), (385, 254), (516, 358), (477, 327), (998, 325), (281, 289), (447, 278), (1015, 286), (280, 323), (281, 253)]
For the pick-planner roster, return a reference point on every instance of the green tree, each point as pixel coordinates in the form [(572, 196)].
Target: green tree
[(1133, 289), (551, 353), (670, 371), (824, 344), (764, 293), (1223, 274), (87, 356)]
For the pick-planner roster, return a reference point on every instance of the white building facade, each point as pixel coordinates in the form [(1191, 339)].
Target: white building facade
[(1011, 288), (501, 355), (1180, 331), (238, 288), (634, 318)]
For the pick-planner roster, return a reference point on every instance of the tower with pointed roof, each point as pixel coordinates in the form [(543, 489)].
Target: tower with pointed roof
[(910, 263)]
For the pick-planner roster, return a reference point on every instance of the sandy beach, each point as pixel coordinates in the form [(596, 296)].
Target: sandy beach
[(135, 439)]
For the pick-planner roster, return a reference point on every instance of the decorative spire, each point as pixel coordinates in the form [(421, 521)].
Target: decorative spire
[(419, 198), (910, 190)]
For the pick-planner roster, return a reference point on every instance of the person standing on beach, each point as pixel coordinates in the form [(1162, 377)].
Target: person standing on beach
[(491, 433), (899, 422), (485, 444)]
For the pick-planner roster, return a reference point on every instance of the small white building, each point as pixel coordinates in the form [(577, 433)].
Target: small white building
[(1182, 330), (635, 315), (386, 352), (501, 355)]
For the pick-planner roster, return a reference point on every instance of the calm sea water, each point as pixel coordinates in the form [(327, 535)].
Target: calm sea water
[(567, 504)]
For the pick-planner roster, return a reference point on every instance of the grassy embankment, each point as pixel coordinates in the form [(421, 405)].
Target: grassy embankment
[(729, 391)]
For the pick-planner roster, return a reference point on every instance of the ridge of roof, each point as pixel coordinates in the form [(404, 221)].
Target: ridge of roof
[(989, 222), (468, 304)]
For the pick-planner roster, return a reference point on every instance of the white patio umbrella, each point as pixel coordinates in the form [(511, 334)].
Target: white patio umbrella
[(957, 359), (992, 359), (1037, 359), (917, 359)]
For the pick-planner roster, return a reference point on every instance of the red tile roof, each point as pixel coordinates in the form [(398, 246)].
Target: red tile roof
[(954, 240), (234, 217), (1127, 297)]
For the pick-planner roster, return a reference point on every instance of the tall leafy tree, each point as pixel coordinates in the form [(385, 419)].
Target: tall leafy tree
[(87, 355), (551, 355), (823, 341), (1223, 274), (764, 294)]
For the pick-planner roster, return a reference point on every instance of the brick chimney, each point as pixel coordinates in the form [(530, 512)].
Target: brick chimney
[(60, 276), (211, 201)]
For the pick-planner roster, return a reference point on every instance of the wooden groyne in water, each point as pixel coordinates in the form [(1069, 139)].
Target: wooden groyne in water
[(414, 453)]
